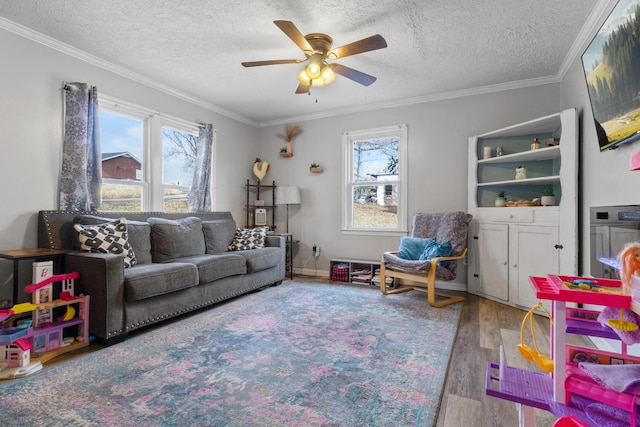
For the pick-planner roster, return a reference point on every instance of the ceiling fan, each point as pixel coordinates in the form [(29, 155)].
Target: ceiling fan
[(317, 50)]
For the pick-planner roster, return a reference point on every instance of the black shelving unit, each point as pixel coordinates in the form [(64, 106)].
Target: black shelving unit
[(253, 194)]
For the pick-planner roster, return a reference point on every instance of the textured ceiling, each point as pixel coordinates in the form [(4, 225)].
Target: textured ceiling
[(435, 47)]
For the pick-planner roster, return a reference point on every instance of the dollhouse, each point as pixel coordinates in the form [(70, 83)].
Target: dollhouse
[(57, 326), (567, 388)]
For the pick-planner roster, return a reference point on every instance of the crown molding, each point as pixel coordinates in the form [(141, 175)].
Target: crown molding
[(116, 69), (417, 100), (596, 18)]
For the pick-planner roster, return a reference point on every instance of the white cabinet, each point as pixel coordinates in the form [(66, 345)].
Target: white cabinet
[(490, 273), (532, 249), (509, 244)]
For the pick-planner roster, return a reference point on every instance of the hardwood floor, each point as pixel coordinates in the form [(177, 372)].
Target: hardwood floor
[(485, 325)]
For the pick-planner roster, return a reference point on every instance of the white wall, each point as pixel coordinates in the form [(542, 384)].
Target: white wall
[(438, 135)]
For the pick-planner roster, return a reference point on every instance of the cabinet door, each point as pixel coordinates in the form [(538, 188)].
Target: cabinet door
[(532, 252), (490, 272)]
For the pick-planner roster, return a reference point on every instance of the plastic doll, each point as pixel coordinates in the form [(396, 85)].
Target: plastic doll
[(629, 265)]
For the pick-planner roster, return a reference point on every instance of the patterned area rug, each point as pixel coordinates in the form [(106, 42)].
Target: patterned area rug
[(293, 355)]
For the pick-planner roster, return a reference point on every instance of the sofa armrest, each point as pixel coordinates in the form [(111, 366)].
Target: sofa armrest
[(276, 241), (102, 278)]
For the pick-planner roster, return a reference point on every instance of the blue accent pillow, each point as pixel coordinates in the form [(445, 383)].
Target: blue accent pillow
[(435, 249), (411, 248)]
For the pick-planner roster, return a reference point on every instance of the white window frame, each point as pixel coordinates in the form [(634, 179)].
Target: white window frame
[(152, 123), (348, 139)]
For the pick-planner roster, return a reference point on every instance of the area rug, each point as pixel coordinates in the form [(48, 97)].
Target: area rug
[(298, 354)]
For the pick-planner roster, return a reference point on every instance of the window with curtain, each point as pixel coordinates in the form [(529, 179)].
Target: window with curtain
[(374, 181), (147, 158)]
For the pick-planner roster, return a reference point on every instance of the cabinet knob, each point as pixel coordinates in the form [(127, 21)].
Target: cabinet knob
[(558, 246), (505, 263), (511, 216), (515, 265)]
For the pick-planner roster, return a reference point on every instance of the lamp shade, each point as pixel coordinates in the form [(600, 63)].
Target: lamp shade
[(287, 195)]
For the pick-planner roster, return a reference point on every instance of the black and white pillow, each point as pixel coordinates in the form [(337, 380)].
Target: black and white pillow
[(248, 238), (107, 238)]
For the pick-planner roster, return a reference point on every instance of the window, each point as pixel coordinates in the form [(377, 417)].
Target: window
[(374, 199), (178, 157), (147, 159)]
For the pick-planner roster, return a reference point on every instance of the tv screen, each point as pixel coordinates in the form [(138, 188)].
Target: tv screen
[(612, 68)]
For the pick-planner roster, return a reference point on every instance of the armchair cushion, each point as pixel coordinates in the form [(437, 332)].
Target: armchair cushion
[(415, 266), (413, 248)]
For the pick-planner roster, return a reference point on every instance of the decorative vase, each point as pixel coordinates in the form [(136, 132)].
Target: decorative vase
[(289, 148), (548, 200), (501, 202), (521, 173), (315, 170)]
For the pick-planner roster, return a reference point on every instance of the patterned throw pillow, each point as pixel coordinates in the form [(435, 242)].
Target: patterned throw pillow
[(107, 238), (248, 238)]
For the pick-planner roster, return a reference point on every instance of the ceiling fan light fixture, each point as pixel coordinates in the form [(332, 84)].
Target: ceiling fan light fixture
[(315, 66), (323, 77)]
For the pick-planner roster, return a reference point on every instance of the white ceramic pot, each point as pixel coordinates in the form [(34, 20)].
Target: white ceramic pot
[(548, 200)]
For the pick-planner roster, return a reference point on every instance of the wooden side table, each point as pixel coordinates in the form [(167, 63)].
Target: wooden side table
[(288, 263), (35, 254)]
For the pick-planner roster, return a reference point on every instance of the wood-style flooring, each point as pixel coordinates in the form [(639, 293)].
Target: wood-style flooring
[(485, 325)]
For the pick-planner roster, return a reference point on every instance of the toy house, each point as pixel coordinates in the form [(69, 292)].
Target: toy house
[(44, 336)]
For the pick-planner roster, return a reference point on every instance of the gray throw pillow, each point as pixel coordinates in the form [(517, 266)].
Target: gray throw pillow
[(218, 234), (179, 238)]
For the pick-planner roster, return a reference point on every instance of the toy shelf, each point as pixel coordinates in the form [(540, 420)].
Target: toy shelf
[(49, 333)]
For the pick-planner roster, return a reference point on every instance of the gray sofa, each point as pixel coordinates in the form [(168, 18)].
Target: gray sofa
[(181, 264)]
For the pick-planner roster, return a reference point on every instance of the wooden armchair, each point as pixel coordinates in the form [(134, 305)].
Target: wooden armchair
[(452, 227)]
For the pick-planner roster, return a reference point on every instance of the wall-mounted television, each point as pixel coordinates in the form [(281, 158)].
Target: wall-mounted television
[(612, 68)]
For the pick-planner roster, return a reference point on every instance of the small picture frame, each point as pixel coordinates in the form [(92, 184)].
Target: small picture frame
[(616, 361)]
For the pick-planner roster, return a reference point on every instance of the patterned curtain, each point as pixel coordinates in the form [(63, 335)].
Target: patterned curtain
[(200, 194), (81, 174)]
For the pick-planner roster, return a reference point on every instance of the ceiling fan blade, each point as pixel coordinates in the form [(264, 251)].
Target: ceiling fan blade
[(364, 45), (272, 62), (295, 35), (303, 88), (355, 75)]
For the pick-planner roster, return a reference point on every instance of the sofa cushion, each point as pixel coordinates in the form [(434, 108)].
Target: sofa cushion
[(150, 280), (262, 259), (171, 239), (108, 238), (212, 267), (218, 235), (248, 238), (139, 235)]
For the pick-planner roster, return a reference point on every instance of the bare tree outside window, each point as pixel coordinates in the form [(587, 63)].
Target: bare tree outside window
[(178, 160), (374, 180)]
